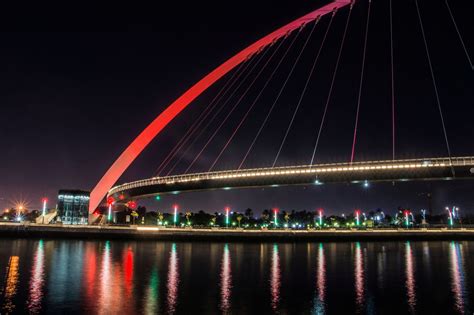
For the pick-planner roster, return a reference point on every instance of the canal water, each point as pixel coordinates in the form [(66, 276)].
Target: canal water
[(131, 277)]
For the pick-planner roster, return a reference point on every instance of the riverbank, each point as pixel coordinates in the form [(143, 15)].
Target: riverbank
[(188, 234)]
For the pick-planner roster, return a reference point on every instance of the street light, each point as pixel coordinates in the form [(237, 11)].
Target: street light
[(357, 214), (275, 211), (227, 210), (406, 212), (110, 202), (175, 216), (45, 201), (320, 211)]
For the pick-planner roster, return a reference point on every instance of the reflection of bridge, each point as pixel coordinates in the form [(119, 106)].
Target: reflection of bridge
[(398, 170)]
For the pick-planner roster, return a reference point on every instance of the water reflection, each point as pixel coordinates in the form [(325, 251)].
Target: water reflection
[(226, 280), (173, 280), (458, 286), (152, 294), (11, 285), (37, 280), (410, 277), (128, 272), (105, 297), (320, 304), (275, 278), (359, 277)]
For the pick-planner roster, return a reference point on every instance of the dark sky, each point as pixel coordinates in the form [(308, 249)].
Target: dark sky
[(77, 84)]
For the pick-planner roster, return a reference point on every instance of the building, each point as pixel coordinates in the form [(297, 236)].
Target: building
[(73, 207)]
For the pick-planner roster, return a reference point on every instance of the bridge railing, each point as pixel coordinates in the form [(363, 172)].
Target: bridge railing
[(302, 169)]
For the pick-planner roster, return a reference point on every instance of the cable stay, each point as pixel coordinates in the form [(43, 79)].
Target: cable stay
[(253, 104), (303, 93), (332, 84), (392, 81), (236, 77), (356, 125), (459, 34), (231, 110), (271, 108), (197, 122), (435, 88), (228, 98)]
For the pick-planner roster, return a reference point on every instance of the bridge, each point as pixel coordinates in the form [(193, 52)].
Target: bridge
[(240, 69), (357, 172)]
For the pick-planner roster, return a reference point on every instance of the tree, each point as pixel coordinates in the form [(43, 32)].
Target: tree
[(266, 215), (188, 217), (239, 218), (286, 217), (249, 213)]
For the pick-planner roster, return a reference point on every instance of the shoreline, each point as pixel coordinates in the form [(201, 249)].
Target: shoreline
[(16, 230)]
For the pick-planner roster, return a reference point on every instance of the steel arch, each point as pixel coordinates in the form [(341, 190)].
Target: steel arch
[(160, 122)]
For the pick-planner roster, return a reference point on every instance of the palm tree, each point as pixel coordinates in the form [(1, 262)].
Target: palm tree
[(188, 216), (239, 218), (287, 218)]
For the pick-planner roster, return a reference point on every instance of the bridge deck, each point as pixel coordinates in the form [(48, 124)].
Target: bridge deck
[(398, 170)]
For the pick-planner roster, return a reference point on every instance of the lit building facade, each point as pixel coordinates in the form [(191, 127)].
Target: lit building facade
[(73, 207)]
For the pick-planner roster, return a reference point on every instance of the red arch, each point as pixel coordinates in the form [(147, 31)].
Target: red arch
[(153, 129)]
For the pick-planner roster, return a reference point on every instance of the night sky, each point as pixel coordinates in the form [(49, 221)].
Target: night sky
[(79, 83)]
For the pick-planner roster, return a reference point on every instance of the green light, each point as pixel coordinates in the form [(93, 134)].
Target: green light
[(158, 198)]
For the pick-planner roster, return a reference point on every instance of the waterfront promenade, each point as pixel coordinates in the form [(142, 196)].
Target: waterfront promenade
[(223, 234)]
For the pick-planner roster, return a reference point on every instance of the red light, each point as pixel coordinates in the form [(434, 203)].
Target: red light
[(132, 205), (122, 197), (44, 200), (357, 212), (110, 201), (320, 210), (275, 210)]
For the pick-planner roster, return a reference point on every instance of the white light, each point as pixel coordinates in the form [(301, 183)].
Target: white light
[(144, 228)]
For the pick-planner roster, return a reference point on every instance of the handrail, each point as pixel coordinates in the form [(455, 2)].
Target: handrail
[(299, 169)]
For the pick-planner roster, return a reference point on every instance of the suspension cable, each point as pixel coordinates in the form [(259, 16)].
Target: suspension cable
[(459, 34), (198, 121), (303, 93), (202, 130), (354, 140), (273, 105), (230, 112), (435, 88), (393, 81), (250, 108), (332, 84)]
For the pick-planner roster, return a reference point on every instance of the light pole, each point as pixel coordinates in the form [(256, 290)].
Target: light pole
[(320, 211), (275, 218), (357, 214), (175, 216), (227, 210), (406, 218), (110, 202), (45, 201), (451, 214)]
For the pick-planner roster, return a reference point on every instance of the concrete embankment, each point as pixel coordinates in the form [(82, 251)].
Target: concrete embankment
[(224, 235)]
